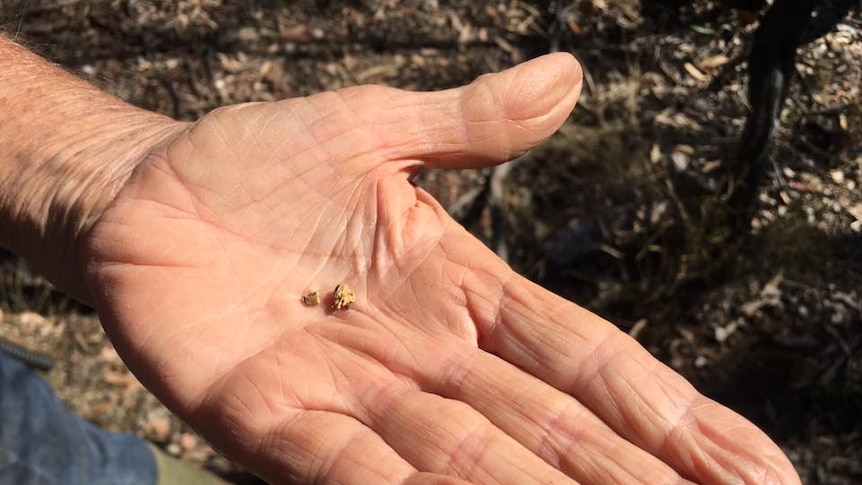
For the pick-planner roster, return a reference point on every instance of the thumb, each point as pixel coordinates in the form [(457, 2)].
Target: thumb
[(493, 119)]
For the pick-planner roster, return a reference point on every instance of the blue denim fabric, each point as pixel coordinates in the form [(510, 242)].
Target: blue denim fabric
[(42, 443)]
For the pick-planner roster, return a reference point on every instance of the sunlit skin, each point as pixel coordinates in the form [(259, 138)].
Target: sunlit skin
[(448, 368)]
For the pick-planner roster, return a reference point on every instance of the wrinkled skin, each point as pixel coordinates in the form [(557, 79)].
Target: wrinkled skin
[(448, 368)]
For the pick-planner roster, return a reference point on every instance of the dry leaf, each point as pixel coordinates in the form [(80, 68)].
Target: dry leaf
[(695, 72), (713, 62)]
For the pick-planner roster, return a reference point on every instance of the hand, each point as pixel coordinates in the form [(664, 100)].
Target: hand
[(447, 365)]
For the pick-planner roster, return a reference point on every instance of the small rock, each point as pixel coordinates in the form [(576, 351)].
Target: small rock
[(188, 441), (723, 333), (158, 429), (311, 299), (344, 297), (31, 322), (202, 453)]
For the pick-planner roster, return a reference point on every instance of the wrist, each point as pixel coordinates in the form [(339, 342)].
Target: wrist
[(86, 179), (67, 149)]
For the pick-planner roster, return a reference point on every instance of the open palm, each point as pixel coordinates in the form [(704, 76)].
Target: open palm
[(448, 365)]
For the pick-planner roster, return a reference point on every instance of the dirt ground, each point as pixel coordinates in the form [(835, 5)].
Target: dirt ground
[(619, 211)]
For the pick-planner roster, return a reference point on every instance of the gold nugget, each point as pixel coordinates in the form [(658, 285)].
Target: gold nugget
[(311, 299), (344, 297)]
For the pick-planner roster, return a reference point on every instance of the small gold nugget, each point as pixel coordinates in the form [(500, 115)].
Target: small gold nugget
[(344, 297), (311, 299)]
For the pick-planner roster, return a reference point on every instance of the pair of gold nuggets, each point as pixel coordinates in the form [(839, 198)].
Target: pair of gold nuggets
[(343, 298)]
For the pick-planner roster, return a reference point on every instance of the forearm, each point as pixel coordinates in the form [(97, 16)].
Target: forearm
[(65, 149)]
